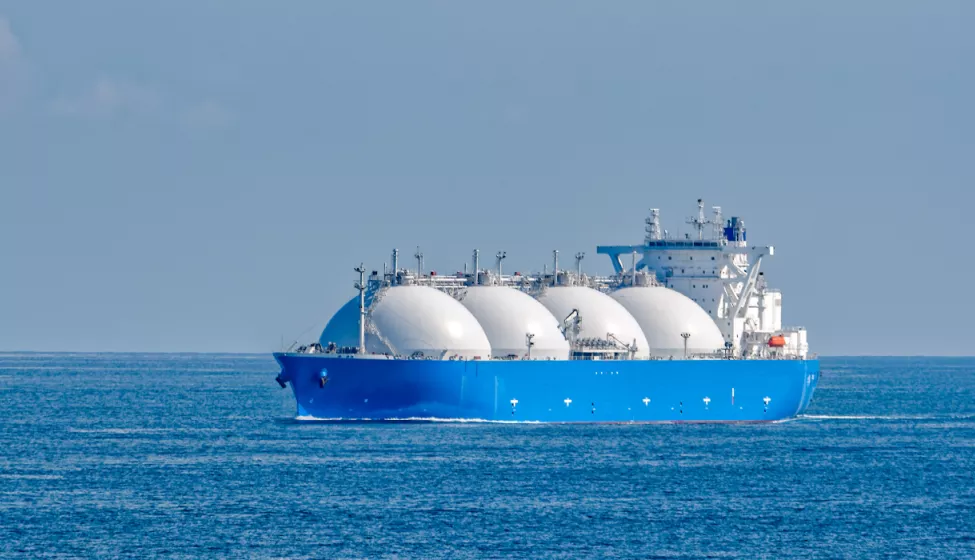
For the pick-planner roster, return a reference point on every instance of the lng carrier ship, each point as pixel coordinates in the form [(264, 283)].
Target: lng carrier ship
[(686, 329)]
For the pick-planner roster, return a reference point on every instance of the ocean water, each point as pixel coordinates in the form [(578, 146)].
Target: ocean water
[(142, 455)]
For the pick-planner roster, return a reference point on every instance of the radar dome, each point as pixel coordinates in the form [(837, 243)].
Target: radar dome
[(507, 315), (599, 315), (410, 319), (664, 314)]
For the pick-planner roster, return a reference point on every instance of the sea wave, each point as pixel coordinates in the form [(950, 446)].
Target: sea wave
[(15, 476), (134, 431)]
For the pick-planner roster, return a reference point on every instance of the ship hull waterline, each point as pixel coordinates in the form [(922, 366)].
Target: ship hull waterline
[(345, 388)]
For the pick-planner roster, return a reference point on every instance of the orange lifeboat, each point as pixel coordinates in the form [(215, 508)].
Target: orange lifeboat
[(777, 341)]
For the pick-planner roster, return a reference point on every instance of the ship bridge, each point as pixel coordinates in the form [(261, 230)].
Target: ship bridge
[(717, 268)]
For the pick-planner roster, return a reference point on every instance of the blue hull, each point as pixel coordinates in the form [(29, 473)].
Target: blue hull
[(548, 391)]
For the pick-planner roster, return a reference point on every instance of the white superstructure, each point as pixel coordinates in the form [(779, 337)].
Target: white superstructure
[(717, 269)]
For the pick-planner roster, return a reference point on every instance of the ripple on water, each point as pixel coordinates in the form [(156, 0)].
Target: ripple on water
[(198, 455)]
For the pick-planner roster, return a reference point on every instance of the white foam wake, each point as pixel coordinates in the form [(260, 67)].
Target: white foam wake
[(881, 417), (417, 419)]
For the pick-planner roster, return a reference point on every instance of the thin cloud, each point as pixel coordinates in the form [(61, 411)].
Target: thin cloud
[(12, 65), (209, 115), (9, 45), (109, 98)]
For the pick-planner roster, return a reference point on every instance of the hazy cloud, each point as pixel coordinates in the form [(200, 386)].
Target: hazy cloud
[(109, 98), (208, 115), (112, 98), (9, 46), (12, 66)]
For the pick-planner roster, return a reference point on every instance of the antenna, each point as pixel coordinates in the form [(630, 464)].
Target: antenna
[(653, 225), (633, 271), (500, 257), (419, 261), (579, 257), (361, 286), (477, 264), (395, 265), (555, 267), (685, 336), (700, 221), (529, 341)]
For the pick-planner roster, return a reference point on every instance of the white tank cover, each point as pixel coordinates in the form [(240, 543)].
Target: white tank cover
[(663, 314), (600, 315), (507, 315), (412, 319)]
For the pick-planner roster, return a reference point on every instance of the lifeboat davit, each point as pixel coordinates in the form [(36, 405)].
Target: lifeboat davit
[(777, 341)]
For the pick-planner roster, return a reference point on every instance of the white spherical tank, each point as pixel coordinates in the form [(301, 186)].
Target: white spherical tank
[(412, 319), (343, 328), (423, 319), (599, 315), (665, 314), (507, 315)]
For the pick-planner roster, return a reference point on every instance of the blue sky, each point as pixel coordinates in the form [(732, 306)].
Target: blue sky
[(197, 176)]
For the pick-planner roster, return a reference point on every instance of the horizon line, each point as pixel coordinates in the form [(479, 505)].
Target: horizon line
[(269, 352)]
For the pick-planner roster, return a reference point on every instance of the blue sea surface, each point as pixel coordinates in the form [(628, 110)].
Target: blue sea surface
[(188, 455)]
